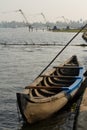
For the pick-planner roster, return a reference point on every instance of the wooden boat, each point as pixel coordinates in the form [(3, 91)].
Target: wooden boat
[(50, 91)]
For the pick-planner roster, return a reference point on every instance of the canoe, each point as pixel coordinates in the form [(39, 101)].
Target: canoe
[(50, 91)]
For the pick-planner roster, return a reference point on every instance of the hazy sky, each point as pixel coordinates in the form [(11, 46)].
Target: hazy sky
[(52, 9)]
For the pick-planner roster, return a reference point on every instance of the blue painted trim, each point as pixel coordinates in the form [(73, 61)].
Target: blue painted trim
[(77, 83)]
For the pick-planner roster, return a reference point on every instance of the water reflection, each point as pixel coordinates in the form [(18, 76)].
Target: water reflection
[(53, 123)]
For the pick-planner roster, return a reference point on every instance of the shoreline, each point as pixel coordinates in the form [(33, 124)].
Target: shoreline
[(66, 30)]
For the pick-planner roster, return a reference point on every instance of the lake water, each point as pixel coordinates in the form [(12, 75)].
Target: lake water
[(23, 55)]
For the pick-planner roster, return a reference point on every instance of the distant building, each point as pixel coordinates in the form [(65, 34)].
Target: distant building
[(55, 28)]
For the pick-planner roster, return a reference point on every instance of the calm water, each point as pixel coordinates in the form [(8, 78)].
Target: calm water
[(20, 63)]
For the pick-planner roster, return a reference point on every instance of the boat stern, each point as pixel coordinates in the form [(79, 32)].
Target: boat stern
[(22, 103)]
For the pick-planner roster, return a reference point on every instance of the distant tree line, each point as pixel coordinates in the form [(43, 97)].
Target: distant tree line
[(40, 25), (12, 24)]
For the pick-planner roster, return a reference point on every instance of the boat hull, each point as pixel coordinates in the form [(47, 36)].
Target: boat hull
[(33, 112), (50, 92)]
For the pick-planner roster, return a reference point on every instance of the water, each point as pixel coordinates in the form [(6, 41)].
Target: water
[(20, 63)]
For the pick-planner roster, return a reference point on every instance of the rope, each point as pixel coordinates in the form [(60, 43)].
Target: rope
[(62, 49)]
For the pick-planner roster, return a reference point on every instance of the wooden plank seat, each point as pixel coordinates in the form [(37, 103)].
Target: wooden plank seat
[(45, 87), (68, 67), (55, 76)]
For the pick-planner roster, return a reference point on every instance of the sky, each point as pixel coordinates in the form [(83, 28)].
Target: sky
[(53, 10)]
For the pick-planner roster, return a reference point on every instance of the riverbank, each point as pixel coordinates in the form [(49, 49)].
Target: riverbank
[(81, 123)]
